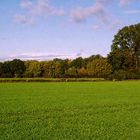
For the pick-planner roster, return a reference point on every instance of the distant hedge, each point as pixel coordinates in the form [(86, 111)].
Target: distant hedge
[(4, 80)]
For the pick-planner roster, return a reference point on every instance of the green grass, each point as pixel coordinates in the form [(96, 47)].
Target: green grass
[(51, 111)]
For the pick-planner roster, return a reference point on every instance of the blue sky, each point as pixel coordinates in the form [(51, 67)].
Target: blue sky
[(44, 29)]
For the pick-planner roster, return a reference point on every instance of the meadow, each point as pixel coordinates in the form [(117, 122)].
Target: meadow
[(70, 110)]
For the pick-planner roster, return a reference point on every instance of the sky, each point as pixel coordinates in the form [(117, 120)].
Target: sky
[(47, 29)]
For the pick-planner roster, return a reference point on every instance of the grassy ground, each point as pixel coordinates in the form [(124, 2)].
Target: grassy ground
[(51, 111)]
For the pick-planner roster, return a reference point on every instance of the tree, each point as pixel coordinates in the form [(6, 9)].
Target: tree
[(60, 67), (17, 67), (77, 63), (82, 72), (6, 71), (127, 40), (1, 69), (33, 69), (55, 68), (121, 59), (99, 68), (92, 57), (72, 72)]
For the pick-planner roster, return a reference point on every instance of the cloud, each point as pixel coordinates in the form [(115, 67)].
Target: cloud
[(45, 56), (81, 14), (43, 8), (124, 2), (100, 11), (26, 4), (95, 27), (132, 12), (37, 56), (33, 10), (115, 24), (97, 11), (80, 53), (23, 19)]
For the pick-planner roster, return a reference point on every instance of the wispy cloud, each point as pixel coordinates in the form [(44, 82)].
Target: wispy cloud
[(33, 10), (116, 24), (81, 14), (26, 4), (23, 19), (132, 12), (124, 2), (38, 56), (95, 27), (98, 11)]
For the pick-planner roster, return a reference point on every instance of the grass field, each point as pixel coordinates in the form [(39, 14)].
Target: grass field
[(51, 111)]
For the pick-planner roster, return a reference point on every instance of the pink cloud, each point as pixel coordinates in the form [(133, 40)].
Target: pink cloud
[(97, 10), (124, 2), (132, 11), (33, 10), (95, 27), (43, 8), (100, 12), (23, 19), (26, 4), (80, 14)]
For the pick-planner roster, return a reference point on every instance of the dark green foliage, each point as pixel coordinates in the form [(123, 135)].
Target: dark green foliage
[(60, 67), (6, 71), (125, 53), (78, 63), (17, 68), (92, 57), (128, 39), (14, 68), (1, 69), (121, 59)]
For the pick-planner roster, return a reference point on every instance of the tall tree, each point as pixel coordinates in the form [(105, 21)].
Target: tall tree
[(121, 59), (127, 40), (17, 67)]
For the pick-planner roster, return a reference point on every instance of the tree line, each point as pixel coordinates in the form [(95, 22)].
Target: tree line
[(123, 62), (93, 66)]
